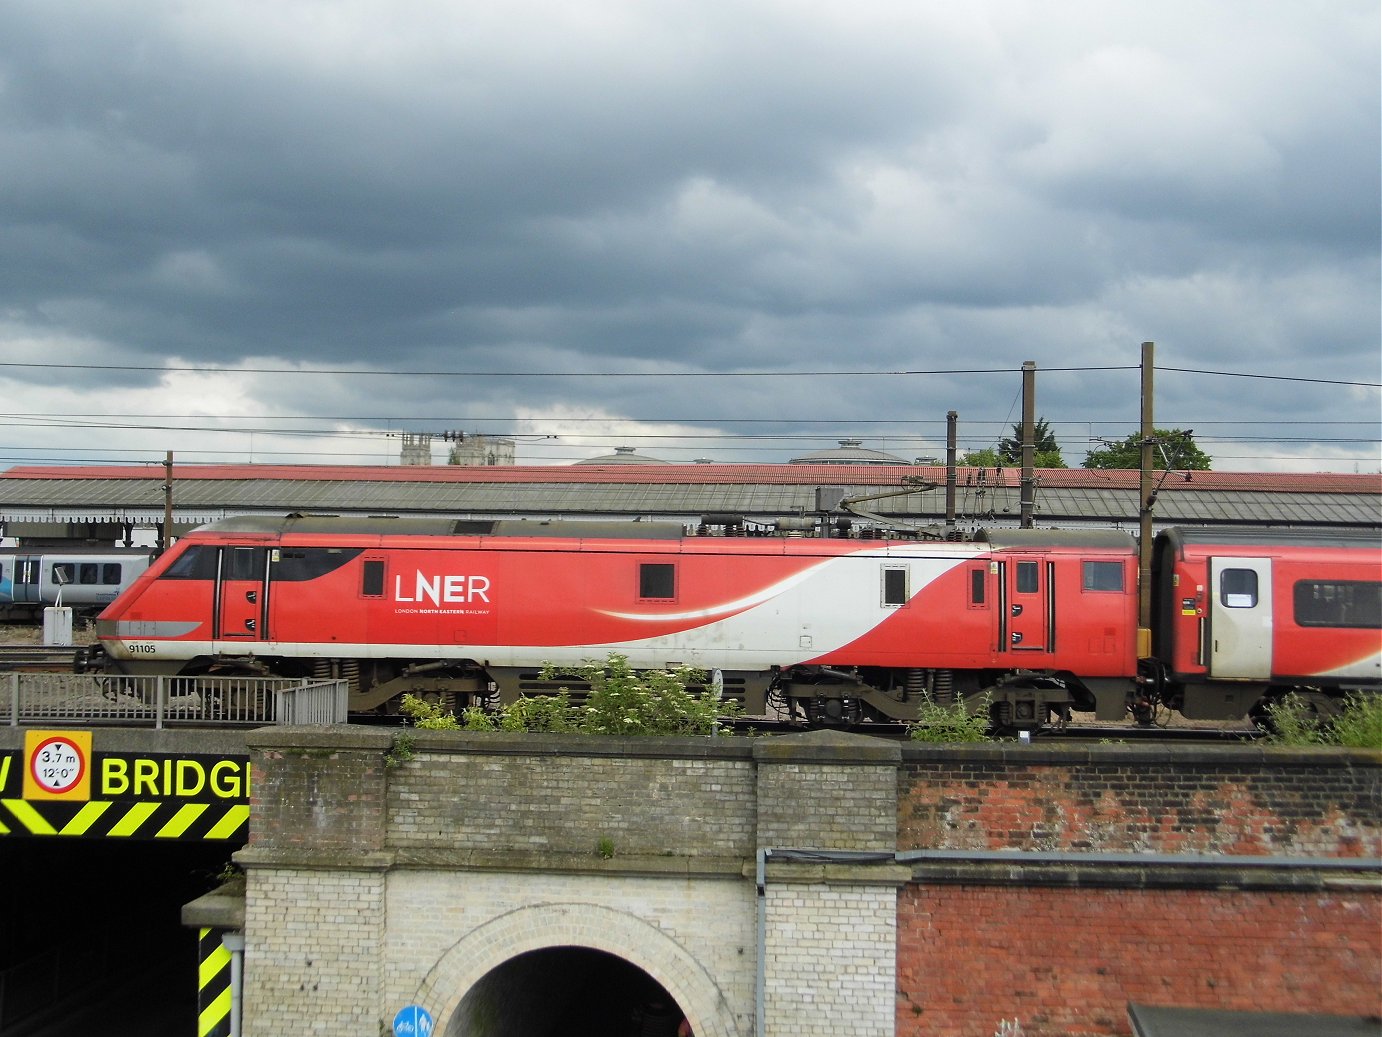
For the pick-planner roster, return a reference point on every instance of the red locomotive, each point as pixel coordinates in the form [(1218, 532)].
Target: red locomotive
[(833, 628)]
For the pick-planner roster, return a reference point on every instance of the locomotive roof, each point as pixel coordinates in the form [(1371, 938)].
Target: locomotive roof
[(412, 525), (1105, 538)]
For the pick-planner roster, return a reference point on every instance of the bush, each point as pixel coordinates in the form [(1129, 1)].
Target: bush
[(428, 716), (622, 701), (952, 723)]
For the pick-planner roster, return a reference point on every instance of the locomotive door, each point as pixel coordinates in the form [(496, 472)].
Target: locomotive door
[(1025, 621), (1240, 618), (242, 594)]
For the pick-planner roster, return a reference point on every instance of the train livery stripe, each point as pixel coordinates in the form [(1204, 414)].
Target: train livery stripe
[(125, 820), (213, 985)]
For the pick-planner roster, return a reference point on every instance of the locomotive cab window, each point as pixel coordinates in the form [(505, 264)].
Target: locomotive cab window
[(1102, 576), (894, 586), (196, 563), (1238, 588), (657, 581)]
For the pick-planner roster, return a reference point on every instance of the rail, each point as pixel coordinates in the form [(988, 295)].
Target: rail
[(162, 702)]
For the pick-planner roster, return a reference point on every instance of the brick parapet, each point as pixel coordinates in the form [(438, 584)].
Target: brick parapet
[(1244, 801)]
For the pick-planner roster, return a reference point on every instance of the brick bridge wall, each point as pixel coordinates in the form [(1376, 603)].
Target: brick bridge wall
[(957, 886), (1072, 900)]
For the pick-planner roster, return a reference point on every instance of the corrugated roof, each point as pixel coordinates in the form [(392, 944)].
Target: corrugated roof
[(206, 492)]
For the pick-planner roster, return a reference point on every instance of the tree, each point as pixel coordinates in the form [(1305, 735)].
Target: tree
[(1044, 438), (1173, 448), (986, 458), (1009, 451)]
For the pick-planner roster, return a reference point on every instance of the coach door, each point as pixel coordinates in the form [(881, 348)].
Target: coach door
[(28, 578), (1025, 620), (1240, 618), (242, 594)]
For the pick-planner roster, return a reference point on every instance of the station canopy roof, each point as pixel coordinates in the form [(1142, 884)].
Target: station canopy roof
[(1074, 497)]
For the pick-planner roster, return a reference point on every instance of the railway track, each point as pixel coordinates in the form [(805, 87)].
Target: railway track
[(31, 658)]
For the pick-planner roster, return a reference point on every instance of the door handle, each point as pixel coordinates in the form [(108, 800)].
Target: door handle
[(1017, 637), (1017, 610), (251, 596)]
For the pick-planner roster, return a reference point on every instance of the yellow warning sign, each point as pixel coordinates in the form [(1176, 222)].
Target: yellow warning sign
[(57, 765)]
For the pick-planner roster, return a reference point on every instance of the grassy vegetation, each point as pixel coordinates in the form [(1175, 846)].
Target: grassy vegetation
[(1358, 725)]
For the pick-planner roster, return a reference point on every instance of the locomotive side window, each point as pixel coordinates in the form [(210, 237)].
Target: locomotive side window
[(1102, 576), (1027, 577), (657, 580), (110, 574), (307, 563), (976, 586), (372, 579), (1339, 603), (894, 586), (1238, 588)]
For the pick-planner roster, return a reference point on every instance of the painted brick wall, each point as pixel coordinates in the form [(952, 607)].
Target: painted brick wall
[(831, 955), (313, 942), (1176, 799), (664, 797), (1067, 961)]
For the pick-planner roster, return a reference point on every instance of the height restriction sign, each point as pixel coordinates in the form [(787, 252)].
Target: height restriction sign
[(57, 765)]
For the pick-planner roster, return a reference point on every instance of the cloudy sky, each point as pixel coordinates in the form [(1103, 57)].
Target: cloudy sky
[(289, 231)]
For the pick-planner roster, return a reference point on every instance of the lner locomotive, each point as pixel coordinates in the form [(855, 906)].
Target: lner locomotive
[(838, 627)]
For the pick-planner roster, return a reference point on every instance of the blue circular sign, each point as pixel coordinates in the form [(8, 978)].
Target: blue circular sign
[(412, 1021)]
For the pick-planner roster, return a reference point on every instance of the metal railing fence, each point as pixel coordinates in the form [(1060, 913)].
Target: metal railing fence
[(159, 702)]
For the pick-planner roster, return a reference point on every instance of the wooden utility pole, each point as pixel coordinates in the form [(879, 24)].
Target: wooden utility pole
[(1144, 507), (1028, 491), (951, 418), (166, 540)]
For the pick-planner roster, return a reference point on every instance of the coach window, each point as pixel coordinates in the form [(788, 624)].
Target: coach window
[(86, 572), (1238, 588), (1102, 576), (657, 581), (64, 572), (1338, 603), (894, 586), (110, 574), (372, 579)]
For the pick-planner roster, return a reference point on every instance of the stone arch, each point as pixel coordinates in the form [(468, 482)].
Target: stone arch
[(573, 924)]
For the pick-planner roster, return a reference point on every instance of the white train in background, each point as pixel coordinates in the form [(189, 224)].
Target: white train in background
[(84, 579)]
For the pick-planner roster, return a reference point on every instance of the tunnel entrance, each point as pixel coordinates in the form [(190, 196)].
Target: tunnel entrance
[(567, 992)]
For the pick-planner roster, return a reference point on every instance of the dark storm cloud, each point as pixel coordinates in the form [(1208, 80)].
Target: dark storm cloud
[(676, 187)]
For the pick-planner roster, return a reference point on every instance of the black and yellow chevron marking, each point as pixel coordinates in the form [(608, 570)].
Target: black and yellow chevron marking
[(125, 820), (213, 985)]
